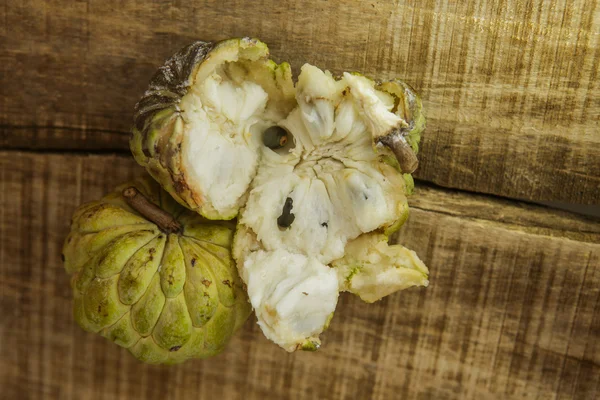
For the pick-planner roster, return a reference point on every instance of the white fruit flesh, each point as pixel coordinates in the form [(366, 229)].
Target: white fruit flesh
[(223, 121), (339, 190), (293, 295), (234, 97), (338, 187)]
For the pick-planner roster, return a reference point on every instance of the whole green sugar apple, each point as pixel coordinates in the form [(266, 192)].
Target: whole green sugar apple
[(317, 173), (154, 277)]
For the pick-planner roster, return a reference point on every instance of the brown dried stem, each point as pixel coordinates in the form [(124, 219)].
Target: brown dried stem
[(151, 211), (404, 153)]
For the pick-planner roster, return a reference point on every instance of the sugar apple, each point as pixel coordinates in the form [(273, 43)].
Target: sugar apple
[(152, 276), (317, 173)]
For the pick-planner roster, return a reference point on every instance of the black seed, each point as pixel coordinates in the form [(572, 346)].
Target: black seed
[(275, 137), (325, 224), (286, 218), (62, 257), (365, 196), (174, 348), (193, 262)]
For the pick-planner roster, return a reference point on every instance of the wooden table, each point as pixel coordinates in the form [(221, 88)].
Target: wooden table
[(512, 93)]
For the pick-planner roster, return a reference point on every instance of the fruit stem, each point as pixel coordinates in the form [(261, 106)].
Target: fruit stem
[(151, 211), (404, 153)]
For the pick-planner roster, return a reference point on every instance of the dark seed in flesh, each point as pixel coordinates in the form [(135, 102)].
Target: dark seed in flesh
[(275, 137), (287, 217)]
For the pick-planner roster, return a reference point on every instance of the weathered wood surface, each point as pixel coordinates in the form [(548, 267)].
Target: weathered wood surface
[(511, 87), (512, 312)]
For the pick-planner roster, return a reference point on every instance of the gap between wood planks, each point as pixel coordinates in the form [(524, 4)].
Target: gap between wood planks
[(76, 140), (509, 213)]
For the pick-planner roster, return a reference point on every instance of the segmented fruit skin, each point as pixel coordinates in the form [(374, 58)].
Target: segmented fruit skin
[(164, 297)]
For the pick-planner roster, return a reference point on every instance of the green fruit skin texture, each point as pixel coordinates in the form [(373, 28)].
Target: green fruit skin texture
[(165, 297)]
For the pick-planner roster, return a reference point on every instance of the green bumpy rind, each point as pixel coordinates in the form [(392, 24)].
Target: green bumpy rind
[(165, 297)]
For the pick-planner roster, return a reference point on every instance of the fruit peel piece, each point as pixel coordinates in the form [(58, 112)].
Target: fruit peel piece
[(373, 269)]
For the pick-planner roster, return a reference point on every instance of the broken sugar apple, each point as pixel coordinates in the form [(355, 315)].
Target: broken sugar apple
[(198, 127), (154, 277), (317, 173)]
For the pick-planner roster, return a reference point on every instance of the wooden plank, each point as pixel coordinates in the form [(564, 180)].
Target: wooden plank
[(511, 87), (32, 137), (510, 312), (508, 214)]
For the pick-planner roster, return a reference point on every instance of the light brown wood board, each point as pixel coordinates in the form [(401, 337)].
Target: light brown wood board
[(513, 102), (511, 87), (512, 311)]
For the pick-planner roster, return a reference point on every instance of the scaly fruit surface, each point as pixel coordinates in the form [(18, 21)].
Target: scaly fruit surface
[(152, 276)]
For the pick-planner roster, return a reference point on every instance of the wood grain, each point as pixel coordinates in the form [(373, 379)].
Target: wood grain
[(511, 313), (511, 87)]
